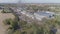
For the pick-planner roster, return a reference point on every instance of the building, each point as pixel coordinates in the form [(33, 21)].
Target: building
[(46, 14)]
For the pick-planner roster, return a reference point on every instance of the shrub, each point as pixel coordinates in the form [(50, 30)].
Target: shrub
[(7, 21)]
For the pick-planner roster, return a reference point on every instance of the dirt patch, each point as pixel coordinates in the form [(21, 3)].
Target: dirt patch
[(4, 16)]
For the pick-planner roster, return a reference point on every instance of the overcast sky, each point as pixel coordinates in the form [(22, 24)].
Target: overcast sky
[(9, 1), (30, 1), (41, 1)]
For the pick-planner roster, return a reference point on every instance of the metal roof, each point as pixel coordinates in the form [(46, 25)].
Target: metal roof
[(44, 13)]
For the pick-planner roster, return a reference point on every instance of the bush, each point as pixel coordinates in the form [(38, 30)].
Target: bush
[(6, 11), (7, 21), (17, 32)]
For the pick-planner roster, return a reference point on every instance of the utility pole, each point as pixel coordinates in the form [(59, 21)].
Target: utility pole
[(19, 1)]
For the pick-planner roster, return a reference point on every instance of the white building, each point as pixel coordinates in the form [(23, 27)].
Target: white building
[(41, 15)]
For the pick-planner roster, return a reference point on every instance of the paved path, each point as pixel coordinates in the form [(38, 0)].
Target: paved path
[(58, 31)]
